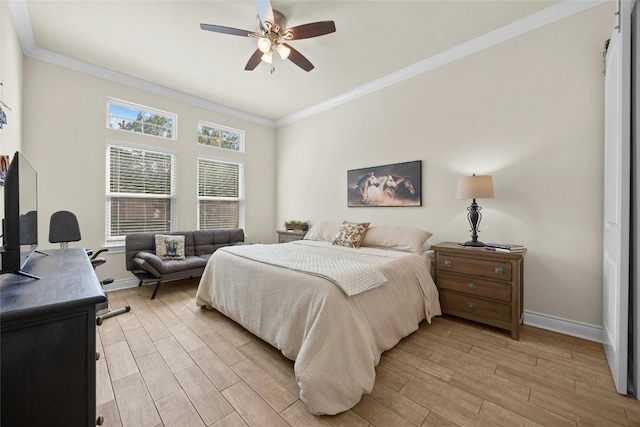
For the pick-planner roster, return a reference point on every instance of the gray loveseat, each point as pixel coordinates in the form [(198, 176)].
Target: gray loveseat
[(199, 245)]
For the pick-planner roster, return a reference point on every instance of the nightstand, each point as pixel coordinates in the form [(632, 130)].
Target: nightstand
[(481, 285), (285, 236)]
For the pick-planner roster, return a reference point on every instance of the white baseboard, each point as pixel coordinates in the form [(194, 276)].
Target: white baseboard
[(121, 284), (563, 326)]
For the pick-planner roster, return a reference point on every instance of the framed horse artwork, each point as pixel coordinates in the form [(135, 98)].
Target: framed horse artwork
[(398, 184)]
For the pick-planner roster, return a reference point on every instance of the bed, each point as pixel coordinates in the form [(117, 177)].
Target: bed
[(332, 307)]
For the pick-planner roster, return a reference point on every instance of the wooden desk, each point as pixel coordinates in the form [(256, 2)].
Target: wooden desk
[(48, 336)]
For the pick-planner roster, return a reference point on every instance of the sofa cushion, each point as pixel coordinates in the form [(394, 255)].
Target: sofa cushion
[(208, 241), (188, 263), (158, 267)]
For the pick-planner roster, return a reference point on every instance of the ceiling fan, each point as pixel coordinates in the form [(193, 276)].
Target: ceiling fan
[(273, 35)]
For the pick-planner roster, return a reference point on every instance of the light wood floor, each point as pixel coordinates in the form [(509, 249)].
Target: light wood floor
[(169, 363)]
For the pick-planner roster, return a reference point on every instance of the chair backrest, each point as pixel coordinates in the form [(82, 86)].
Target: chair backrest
[(63, 228)]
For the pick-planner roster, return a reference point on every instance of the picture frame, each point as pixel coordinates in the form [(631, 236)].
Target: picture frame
[(398, 184)]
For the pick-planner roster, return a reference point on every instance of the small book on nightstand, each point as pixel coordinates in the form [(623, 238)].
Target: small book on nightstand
[(503, 247)]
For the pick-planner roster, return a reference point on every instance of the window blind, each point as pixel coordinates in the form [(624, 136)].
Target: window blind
[(141, 191), (220, 194)]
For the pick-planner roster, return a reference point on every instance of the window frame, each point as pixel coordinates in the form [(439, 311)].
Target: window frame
[(173, 220), (143, 109), (241, 190), (222, 129)]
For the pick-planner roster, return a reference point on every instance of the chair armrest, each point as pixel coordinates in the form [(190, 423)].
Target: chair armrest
[(149, 262), (97, 253)]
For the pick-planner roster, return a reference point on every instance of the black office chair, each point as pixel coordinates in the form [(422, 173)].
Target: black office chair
[(64, 228)]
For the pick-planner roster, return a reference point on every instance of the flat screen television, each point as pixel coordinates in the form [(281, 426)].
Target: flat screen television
[(20, 223)]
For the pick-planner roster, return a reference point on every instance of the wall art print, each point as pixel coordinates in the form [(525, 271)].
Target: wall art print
[(398, 184)]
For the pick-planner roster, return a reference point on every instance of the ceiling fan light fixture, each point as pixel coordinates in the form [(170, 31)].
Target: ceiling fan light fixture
[(267, 57), (264, 44), (274, 35), (283, 51)]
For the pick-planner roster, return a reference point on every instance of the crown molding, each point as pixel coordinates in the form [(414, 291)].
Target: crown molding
[(20, 15), (540, 19)]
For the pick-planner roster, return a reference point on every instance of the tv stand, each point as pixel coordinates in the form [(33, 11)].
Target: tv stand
[(48, 335), (25, 274)]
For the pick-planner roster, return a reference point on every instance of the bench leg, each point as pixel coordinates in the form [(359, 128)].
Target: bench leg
[(155, 291)]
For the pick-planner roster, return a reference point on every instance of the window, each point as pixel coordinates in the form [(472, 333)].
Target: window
[(220, 136), (140, 191), (220, 194), (140, 119)]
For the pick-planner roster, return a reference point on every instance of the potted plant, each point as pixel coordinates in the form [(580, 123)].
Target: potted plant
[(296, 225)]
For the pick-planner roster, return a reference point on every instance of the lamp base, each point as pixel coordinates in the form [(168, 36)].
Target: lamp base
[(475, 244)]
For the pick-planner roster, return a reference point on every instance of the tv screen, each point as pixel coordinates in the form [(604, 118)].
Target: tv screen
[(20, 224)]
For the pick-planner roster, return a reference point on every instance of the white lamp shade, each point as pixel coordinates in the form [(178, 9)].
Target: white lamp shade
[(267, 57), (283, 51), (475, 187), (264, 44)]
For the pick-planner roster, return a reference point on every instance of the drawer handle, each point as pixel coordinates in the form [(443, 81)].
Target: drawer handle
[(498, 270), (97, 355), (447, 263), (472, 305), (99, 420), (471, 285)]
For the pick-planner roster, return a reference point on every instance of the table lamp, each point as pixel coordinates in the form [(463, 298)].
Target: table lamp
[(475, 187)]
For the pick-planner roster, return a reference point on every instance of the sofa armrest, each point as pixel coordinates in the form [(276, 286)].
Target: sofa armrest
[(149, 262)]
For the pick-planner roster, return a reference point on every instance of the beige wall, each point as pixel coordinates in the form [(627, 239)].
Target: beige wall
[(65, 141), (527, 111), (11, 61)]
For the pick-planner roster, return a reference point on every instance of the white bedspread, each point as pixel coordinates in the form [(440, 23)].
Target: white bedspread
[(336, 340), (350, 274)]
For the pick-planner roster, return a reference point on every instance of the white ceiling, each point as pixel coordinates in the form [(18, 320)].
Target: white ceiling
[(160, 42)]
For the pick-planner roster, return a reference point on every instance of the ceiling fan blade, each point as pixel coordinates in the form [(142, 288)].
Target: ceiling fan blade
[(265, 12), (254, 60), (313, 29), (227, 30), (299, 59)]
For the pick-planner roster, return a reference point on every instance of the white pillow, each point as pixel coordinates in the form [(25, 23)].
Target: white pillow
[(405, 239), (323, 231)]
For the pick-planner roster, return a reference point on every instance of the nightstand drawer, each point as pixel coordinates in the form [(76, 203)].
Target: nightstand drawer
[(473, 286), (475, 267), (455, 303)]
